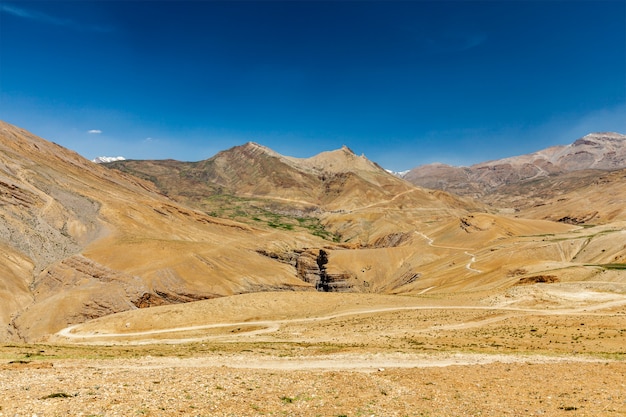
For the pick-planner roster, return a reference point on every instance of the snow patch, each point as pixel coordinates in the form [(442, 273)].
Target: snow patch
[(105, 159), (400, 174)]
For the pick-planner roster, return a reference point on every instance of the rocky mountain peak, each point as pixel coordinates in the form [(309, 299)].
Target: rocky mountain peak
[(340, 160), (346, 149), (257, 149), (600, 139)]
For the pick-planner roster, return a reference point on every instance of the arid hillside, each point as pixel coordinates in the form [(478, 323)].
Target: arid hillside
[(255, 185), (88, 241), (581, 197), (596, 151), (393, 238), (84, 241)]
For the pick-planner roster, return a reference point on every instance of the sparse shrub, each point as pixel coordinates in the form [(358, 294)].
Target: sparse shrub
[(544, 279), (58, 395), (516, 272)]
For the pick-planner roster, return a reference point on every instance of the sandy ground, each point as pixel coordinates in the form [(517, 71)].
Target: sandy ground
[(552, 350), (209, 387)]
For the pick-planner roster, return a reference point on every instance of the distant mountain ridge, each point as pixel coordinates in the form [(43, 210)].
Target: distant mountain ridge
[(601, 151)]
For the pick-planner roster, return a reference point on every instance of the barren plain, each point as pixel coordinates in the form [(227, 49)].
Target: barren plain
[(543, 349)]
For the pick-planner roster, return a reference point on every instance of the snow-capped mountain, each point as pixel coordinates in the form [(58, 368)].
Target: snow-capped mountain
[(400, 174), (105, 159)]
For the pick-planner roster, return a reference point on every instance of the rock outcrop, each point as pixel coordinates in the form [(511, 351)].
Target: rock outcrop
[(311, 268)]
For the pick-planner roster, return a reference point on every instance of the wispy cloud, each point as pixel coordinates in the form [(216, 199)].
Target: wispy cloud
[(453, 41), (33, 15), (95, 131), (48, 19), (474, 40)]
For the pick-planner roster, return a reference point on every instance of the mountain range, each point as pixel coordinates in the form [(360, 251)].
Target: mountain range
[(596, 151), (87, 240)]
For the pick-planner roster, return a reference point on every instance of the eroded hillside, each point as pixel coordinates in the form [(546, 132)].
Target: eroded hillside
[(84, 241), (87, 241)]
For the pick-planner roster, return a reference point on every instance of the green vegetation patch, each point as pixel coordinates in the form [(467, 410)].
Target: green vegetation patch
[(615, 266), (262, 213), (612, 266)]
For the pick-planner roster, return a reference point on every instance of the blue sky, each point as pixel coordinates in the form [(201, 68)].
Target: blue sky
[(405, 83)]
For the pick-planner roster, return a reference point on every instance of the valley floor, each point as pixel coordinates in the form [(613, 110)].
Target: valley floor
[(547, 349)]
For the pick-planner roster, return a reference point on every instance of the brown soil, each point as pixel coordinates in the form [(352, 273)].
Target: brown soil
[(547, 349), (167, 387)]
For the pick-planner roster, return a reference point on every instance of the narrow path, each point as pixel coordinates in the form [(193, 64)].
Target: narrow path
[(274, 325), (431, 243), (425, 290), (378, 203), (468, 266)]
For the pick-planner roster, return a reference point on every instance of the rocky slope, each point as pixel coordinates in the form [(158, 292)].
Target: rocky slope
[(580, 197), (84, 241), (268, 189), (252, 170), (393, 238)]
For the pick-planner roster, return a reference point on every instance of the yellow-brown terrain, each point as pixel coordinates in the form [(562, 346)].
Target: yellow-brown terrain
[(258, 284)]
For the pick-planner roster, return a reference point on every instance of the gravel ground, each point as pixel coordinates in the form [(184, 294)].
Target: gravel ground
[(208, 386)]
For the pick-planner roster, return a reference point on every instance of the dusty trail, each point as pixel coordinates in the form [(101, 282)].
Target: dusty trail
[(269, 326), (468, 266), (360, 362), (381, 203)]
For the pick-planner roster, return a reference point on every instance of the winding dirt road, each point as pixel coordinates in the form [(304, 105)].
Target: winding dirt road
[(468, 266), (268, 326)]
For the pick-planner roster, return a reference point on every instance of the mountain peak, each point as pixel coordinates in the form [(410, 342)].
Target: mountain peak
[(600, 138), (340, 160), (253, 146), (348, 150), (251, 150)]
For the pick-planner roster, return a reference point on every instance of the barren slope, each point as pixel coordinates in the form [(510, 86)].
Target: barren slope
[(589, 198), (254, 184), (85, 241), (398, 239), (481, 313), (599, 151)]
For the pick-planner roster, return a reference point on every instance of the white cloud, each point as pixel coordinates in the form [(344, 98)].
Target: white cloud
[(48, 19), (95, 131), (31, 15)]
